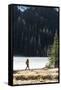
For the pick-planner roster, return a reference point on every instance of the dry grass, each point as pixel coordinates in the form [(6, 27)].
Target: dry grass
[(35, 76), (31, 77)]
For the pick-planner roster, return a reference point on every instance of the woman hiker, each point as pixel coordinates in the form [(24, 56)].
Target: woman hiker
[(27, 64)]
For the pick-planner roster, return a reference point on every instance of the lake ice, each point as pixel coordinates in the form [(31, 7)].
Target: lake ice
[(19, 63)]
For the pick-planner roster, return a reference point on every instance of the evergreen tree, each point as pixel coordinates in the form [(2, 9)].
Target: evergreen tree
[(54, 53)]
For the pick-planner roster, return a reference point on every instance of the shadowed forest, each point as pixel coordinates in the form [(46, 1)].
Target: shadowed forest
[(34, 30)]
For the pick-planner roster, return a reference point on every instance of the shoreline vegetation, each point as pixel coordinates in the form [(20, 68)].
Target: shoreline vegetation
[(43, 75)]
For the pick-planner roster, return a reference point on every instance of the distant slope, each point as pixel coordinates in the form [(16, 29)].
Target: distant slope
[(34, 30)]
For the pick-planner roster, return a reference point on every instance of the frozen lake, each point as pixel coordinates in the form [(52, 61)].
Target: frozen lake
[(34, 62)]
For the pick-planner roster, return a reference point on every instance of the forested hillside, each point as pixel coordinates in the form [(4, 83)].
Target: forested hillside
[(34, 30)]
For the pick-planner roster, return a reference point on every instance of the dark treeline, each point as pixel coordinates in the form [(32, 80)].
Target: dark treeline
[(34, 30)]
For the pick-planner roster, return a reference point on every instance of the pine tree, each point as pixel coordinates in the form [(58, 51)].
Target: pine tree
[(53, 61)]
